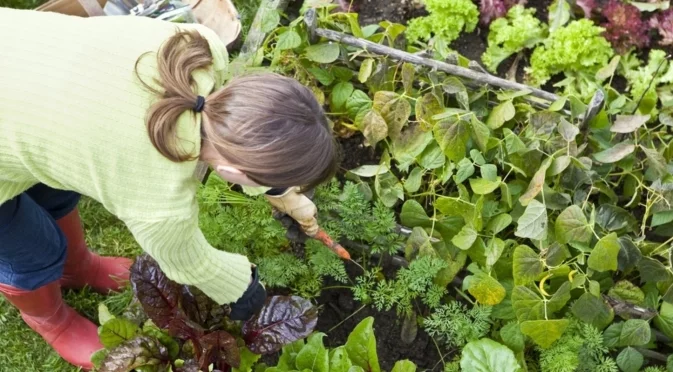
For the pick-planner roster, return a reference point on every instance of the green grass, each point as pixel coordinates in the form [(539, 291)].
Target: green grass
[(21, 349)]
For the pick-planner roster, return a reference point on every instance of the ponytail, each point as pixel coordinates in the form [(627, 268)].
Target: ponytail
[(179, 57)]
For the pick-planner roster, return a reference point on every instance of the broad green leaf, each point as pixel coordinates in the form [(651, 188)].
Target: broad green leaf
[(604, 255), (150, 329), (339, 360), (408, 72), (527, 304), (533, 223), (248, 359), (556, 254), (418, 244), (465, 170), (288, 40), (361, 346), (559, 14), (544, 332), (389, 189), (527, 265), (116, 331), (661, 218), (504, 310), (413, 182), (465, 238), (613, 218), (409, 145), (609, 70), (375, 128), (633, 332), (615, 153), (536, 184), (486, 355), (313, 356), (394, 109), (652, 270), (559, 299), (656, 161), (340, 94), (104, 314), (498, 223), (512, 337), (323, 76), (413, 214), (494, 250), (501, 114), (489, 172), (370, 170), (593, 310), (358, 101), (558, 104), (627, 292), (629, 254), (365, 70), (572, 227), (630, 360), (432, 157), (480, 133), (404, 366), (559, 164), (628, 123), (323, 53), (513, 143), (270, 20), (452, 138), (481, 186), (471, 213), (567, 130), (664, 321), (486, 290)]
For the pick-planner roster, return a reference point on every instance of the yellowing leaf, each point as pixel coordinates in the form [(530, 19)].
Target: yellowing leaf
[(486, 290), (365, 70), (500, 114), (375, 128), (394, 109), (536, 184), (544, 332)]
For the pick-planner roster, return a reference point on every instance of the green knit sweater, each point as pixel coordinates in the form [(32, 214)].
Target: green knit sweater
[(72, 117)]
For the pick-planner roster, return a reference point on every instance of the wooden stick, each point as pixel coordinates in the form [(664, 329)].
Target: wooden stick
[(434, 64)]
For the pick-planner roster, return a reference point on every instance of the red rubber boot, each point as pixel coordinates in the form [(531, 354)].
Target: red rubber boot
[(82, 267), (71, 335)]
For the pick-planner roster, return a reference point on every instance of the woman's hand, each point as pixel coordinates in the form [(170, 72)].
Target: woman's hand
[(252, 301)]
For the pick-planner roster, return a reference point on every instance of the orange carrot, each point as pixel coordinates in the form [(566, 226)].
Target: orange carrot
[(331, 244)]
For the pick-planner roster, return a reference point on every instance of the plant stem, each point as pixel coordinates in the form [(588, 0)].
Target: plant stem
[(651, 354), (345, 319)]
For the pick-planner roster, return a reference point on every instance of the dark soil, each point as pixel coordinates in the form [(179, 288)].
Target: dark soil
[(335, 305), (354, 153)]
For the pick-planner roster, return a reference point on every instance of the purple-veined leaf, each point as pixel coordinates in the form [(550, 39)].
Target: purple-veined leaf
[(219, 348), (138, 352), (282, 320), (158, 295), (201, 309)]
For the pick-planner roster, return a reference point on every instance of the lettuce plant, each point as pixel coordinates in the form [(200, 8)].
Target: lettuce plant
[(510, 35), (624, 28), (188, 332), (578, 50), (447, 19), (663, 22)]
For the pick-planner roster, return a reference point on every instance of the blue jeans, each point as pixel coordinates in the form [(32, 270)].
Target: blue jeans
[(32, 246)]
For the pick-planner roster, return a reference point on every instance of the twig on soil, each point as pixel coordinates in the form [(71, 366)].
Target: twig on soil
[(633, 311), (348, 317), (438, 65), (511, 73)]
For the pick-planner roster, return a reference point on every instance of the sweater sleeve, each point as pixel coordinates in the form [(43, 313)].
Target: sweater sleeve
[(184, 255)]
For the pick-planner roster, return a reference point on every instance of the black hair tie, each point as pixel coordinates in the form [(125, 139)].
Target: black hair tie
[(200, 102)]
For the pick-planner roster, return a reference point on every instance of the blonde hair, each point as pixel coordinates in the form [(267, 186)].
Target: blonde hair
[(270, 127)]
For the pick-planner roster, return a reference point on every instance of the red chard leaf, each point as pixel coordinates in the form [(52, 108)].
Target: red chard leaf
[(158, 295), (624, 28), (282, 320), (663, 22), (219, 348)]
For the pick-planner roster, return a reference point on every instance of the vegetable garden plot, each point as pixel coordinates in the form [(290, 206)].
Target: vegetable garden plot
[(540, 240)]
